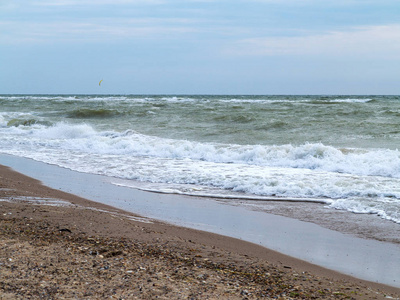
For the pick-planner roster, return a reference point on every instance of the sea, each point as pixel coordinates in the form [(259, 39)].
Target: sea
[(340, 151)]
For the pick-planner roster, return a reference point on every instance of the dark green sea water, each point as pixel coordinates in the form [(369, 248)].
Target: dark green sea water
[(341, 150)]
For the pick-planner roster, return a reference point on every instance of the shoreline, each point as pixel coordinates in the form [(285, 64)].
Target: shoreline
[(345, 253), (316, 211), (27, 186), (98, 222)]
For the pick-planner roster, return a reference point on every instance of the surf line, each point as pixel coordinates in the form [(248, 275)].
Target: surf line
[(230, 197)]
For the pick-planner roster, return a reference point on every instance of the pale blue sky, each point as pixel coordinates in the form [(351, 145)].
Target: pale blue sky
[(200, 47)]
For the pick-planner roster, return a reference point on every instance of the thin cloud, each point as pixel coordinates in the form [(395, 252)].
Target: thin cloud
[(95, 29), (361, 40)]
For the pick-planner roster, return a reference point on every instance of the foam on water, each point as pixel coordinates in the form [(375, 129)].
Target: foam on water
[(338, 150), (362, 181), (84, 138)]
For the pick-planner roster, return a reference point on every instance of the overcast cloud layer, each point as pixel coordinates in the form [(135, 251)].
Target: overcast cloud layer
[(200, 47)]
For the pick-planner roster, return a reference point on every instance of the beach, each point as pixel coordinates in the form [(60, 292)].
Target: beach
[(154, 150), (56, 245), (230, 196)]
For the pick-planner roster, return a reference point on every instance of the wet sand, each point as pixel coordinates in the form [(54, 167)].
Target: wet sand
[(367, 259), (114, 252)]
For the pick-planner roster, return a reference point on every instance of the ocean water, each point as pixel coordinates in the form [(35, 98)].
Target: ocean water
[(338, 150)]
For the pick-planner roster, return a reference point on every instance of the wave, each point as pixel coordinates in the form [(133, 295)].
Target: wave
[(93, 113), (236, 118), (193, 98), (359, 180), (382, 207), (313, 156), (340, 100), (27, 122)]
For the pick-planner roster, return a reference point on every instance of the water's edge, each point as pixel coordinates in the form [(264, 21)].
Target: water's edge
[(363, 258)]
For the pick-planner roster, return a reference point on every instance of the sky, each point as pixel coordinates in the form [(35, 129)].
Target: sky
[(200, 47)]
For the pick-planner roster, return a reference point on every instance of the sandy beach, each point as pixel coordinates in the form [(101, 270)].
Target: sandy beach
[(55, 245)]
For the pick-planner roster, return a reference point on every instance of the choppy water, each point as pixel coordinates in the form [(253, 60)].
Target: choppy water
[(340, 150)]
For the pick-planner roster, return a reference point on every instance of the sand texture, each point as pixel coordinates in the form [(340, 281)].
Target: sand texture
[(55, 245)]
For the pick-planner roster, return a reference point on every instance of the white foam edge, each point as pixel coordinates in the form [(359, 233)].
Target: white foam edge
[(228, 197)]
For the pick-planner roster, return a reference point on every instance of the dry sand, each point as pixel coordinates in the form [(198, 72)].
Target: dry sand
[(66, 247)]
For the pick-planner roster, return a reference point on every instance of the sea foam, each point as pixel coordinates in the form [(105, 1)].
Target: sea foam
[(362, 180), (319, 157)]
